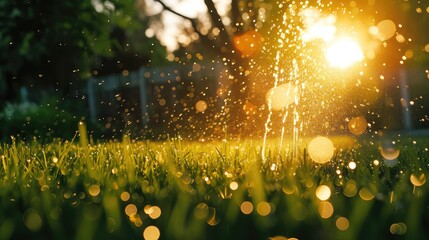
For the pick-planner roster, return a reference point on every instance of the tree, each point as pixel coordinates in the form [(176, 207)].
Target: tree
[(49, 42), (236, 36), (52, 44), (234, 39)]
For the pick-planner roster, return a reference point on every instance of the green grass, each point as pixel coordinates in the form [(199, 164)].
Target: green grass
[(76, 190)]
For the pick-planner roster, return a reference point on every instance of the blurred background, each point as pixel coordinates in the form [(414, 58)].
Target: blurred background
[(207, 69)]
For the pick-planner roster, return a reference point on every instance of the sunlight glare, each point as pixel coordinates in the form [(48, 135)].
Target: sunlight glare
[(281, 96), (343, 53), (317, 26)]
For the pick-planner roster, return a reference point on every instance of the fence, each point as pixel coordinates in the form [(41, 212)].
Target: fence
[(133, 93)]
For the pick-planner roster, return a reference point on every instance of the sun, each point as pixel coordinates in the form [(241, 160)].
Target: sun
[(343, 52)]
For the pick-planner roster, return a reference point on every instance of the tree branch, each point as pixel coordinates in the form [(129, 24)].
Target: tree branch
[(173, 11), (204, 39), (236, 17), (217, 21)]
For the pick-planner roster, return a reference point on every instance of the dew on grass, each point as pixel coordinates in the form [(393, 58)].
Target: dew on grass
[(326, 209), (246, 207), (130, 209), (151, 233), (366, 194), (278, 238), (342, 223), (323, 192), (44, 188), (32, 219), (263, 209), (125, 196), (233, 186), (201, 211), (352, 165), (350, 189), (390, 153), (288, 189), (212, 219), (418, 180), (94, 190), (399, 228), (154, 212)]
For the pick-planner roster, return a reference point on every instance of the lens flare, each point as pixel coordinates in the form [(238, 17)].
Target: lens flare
[(385, 30), (249, 43), (343, 53)]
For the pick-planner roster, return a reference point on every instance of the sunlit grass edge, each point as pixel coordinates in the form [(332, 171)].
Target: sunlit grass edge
[(211, 190)]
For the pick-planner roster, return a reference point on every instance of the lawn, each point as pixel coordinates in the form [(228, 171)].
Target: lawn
[(219, 190)]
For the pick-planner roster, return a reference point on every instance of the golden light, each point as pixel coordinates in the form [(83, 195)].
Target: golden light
[(130, 210), (366, 194), (125, 196), (384, 30), (323, 192), (263, 209), (233, 185), (154, 212), (350, 190), (151, 233), (201, 211), (389, 153), (317, 26), (418, 181), (352, 165), (321, 149), (343, 53), (281, 96), (246, 207), (357, 125), (326, 209), (342, 223), (249, 43), (398, 228), (94, 190), (201, 106)]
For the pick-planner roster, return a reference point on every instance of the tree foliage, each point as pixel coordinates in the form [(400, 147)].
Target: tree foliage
[(54, 43)]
